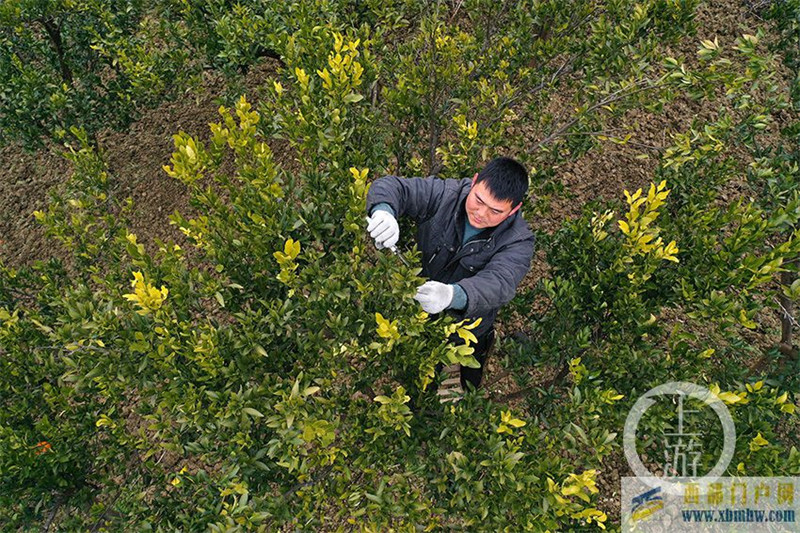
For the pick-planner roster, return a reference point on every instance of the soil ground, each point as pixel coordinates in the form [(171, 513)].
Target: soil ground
[(137, 155)]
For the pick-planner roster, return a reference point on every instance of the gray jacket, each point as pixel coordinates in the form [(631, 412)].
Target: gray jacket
[(488, 267)]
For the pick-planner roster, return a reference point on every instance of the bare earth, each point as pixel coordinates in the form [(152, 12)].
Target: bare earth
[(136, 158)]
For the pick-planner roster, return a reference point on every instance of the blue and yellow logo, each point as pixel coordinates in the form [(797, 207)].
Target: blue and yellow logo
[(646, 504)]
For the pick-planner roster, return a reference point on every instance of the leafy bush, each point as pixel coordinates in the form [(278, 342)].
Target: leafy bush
[(276, 373), (90, 65)]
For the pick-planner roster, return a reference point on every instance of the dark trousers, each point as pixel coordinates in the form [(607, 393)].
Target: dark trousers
[(473, 376)]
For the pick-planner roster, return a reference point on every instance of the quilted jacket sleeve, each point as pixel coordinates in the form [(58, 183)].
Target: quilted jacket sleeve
[(418, 198)]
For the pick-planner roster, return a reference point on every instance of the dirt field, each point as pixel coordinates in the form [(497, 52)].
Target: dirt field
[(136, 157)]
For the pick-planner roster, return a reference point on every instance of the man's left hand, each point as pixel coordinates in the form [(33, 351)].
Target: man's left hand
[(434, 296)]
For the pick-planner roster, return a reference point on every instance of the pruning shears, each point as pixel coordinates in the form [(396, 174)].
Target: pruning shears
[(396, 252)]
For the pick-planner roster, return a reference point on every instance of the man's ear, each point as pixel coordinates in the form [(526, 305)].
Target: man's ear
[(474, 179), (515, 209)]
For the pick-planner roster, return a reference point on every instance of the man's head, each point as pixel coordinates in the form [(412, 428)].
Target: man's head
[(497, 192)]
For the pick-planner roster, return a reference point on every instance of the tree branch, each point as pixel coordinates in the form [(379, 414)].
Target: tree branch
[(614, 97), (56, 506), (54, 32)]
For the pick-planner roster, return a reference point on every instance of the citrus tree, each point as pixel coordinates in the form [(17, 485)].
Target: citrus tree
[(86, 64), (272, 370)]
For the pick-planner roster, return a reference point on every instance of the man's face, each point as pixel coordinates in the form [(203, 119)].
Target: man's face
[(484, 210)]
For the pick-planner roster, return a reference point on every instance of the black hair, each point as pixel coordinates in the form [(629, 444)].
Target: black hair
[(506, 179)]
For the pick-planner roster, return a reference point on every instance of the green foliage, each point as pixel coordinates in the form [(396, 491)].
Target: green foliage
[(786, 17), (277, 373), (228, 36), (71, 64), (613, 287), (469, 85)]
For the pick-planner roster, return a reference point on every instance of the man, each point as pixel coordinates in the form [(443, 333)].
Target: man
[(476, 246)]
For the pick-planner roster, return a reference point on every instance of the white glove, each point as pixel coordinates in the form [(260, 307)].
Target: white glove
[(383, 227), (434, 296)]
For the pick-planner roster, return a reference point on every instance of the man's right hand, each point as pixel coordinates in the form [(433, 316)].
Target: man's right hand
[(383, 227)]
